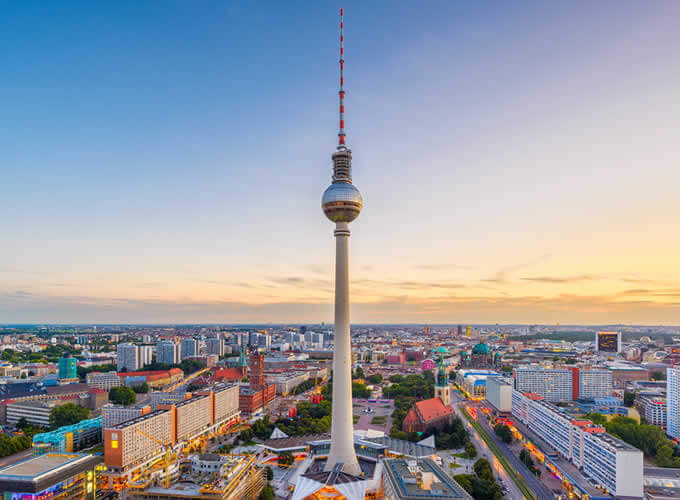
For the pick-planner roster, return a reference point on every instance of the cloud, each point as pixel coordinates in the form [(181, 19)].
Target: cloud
[(564, 279), (503, 275)]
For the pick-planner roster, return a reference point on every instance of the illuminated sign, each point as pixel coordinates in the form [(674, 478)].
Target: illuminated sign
[(608, 341)]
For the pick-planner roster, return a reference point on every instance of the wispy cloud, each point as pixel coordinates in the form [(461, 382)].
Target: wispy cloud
[(561, 279)]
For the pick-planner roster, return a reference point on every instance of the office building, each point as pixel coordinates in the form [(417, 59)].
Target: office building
[(67, 369), (103, 380), (189, 348), (67, 476), (167, 352), (553, 384), (499, 394), (128, 357), (611, 463), (673, 402), (69, 438), (145, 355), (35, 412)]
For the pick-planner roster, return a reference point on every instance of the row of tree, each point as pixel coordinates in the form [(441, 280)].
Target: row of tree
[(481, 485)]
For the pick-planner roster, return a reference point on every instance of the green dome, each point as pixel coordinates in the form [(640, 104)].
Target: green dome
[(443, 349), (481, 348)]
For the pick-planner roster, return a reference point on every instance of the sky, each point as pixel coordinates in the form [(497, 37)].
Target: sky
[(164, 161)]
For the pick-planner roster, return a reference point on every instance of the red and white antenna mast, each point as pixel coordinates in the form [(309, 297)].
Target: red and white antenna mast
[(341, 133)]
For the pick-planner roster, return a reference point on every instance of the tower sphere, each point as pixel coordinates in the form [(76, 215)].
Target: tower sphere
[(341, 202)]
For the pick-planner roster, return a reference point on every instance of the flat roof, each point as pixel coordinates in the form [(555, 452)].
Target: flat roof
[(404, 474), (44, 471), (135, 420)]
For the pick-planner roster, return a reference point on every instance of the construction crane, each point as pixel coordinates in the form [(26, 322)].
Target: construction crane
[(166, 457)]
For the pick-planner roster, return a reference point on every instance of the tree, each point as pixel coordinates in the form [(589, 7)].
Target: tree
[(122, 395), (141, 388), (504, 432), (22, 423), (596, 418), (376, 378), (358, 373), (267, 493), (628, 398), (67, 414), (483, 469), (658, 375), (360, 390), (470, 450), (268, 473)]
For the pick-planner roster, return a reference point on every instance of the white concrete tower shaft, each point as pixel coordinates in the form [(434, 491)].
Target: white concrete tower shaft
[(342, 203)]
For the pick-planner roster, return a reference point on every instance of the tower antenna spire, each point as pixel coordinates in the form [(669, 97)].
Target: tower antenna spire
[(341, 133)]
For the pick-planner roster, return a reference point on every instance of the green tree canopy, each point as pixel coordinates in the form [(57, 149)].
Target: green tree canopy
[(122, 395), (67, 414)]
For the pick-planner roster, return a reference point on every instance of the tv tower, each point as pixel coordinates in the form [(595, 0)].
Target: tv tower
[(342, 203)]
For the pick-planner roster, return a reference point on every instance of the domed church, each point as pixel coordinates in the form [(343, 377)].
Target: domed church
[(480, 357)]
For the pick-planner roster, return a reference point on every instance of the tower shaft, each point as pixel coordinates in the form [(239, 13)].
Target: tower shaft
[(342, 426)]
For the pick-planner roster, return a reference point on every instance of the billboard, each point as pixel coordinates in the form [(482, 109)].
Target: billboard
[(608, 341), (428, 364)]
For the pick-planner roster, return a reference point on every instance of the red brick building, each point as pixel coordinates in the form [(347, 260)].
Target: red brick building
[(427, 414), (258, 394)]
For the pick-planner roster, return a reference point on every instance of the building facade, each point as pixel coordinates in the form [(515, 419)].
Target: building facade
[(189, 348), (553, 384), (128, 357), (103, 380), (609, 462), (167, 352), (673, 402)]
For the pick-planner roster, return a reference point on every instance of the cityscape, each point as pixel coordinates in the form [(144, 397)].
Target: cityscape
[(160, 349)]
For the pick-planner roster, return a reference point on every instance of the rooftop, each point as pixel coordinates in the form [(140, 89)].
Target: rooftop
[(44, 471), (422, 479)]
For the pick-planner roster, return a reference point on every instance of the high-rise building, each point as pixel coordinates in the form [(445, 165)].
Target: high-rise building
[(189, 347), (145, 355), (673, 402), (594, 383), (653, 409), (215, 345), (128, 357), (67, 367), (167, 352), (554, 384), (342, 203)]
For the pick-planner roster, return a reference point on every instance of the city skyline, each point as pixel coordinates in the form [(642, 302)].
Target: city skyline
[(152, 155)]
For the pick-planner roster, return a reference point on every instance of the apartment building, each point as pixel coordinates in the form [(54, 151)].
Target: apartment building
[(607, 461), (193, 415), (594, 383), (167, 352), (653, 409), (128, 357), (553, 384), (103, 380), (673, 402), (215, 345), (113, 415), (189, 348)]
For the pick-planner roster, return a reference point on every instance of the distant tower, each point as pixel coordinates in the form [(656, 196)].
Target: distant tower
[(342, 203), (441, 386)]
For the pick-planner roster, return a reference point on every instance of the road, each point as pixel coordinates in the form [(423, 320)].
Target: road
[(535, 484), (17, 457), (513, 491)]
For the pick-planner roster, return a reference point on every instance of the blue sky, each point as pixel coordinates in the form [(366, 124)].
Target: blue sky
[(165, 161)]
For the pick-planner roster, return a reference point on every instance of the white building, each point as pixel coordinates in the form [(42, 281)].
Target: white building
[(499, 394), (473, 381), (115, 414), (653, 409), (189, 348), (553, 384), (103, 380), (609, 462), (167, 352), (673, 402), (215, 345), (595, 383), (128, 357)]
